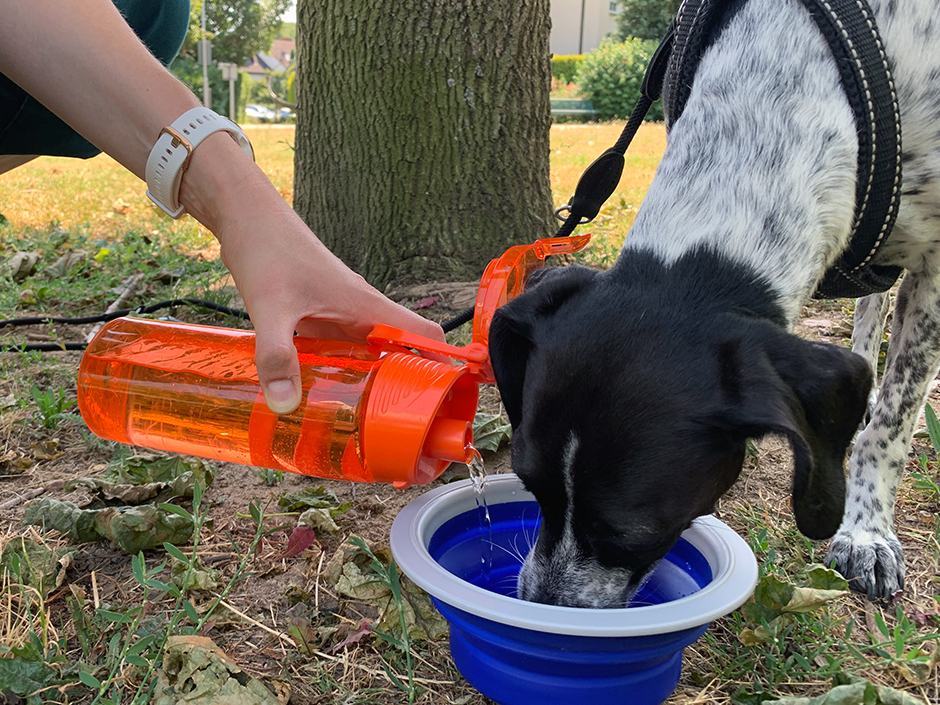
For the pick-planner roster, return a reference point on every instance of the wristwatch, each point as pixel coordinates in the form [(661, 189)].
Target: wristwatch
[(170, 156)]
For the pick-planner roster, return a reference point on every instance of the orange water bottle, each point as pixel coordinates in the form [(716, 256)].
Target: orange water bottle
[(370, 413)]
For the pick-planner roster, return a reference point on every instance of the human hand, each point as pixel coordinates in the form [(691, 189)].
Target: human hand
[(289, 281)]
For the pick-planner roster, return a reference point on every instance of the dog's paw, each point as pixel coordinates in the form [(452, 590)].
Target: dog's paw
[(873, 563)]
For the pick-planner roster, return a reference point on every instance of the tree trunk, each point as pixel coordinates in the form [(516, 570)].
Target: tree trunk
[(422, 132)]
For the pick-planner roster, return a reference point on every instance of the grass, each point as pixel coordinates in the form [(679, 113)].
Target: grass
[(72, 644)]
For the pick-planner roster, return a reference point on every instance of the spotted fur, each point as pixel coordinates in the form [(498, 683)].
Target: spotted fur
[(683, 349)]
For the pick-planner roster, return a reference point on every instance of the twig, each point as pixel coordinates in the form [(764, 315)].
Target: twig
[(129, 288), (25, 497), (316, 584), (94, 590)]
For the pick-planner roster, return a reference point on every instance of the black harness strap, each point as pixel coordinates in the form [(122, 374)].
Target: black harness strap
[(849, 29)]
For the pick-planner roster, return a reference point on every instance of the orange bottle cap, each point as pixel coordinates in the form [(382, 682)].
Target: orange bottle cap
[(417, 419)]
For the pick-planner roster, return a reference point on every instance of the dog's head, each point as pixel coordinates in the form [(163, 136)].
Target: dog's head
[(631, 409)]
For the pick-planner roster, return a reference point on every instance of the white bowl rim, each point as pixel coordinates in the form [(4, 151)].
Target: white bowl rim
[(733, 565)]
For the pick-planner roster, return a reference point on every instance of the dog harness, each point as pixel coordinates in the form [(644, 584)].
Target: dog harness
[(849, 28)]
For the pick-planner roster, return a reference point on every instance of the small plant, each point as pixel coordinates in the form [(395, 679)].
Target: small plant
[(268, 476), (388, 577), (52, 405)]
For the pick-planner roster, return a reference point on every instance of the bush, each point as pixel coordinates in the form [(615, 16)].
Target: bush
[(564, 68), (611, 77)]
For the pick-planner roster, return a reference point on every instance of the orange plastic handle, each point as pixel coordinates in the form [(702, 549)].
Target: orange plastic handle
[(384, 336), (503, 280)]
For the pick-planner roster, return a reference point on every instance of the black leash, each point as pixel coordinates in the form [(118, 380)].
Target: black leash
[(103, 318), (600, 179)]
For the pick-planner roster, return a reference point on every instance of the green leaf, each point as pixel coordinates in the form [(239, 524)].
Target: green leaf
[(175, 552), (142, 644), (115, 617), (137, 567), (23, 676), (490, 431), (190, 611), (176, 509), (255, 510), (159, 585), (89, 679), (880, 623), (933, 428), (136, 660)]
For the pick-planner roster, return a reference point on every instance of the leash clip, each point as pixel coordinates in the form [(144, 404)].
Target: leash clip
[(567, 209)]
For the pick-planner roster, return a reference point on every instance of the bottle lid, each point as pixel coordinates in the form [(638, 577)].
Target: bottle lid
[(417, 419)]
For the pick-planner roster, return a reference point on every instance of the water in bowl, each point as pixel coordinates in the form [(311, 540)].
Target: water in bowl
[(458, 544)]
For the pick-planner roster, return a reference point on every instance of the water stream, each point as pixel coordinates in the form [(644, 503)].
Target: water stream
[(478, 478)]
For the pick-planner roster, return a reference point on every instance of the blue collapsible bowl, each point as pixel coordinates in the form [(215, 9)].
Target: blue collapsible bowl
[(520, 653)]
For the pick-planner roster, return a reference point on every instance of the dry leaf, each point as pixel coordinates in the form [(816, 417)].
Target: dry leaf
[(46, 450)]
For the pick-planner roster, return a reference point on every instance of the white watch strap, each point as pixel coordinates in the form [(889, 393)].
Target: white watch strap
[(170, 156)]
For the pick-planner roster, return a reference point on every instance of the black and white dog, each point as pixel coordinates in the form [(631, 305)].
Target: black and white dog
[(632, 391)]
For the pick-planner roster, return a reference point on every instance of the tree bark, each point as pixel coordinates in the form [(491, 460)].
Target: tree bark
[(422, 132)]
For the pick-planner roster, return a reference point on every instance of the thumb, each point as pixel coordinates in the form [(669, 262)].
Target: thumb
[(278, 368)]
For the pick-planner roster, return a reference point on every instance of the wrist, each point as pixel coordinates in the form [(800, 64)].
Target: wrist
[(174, 149), (222, 183)]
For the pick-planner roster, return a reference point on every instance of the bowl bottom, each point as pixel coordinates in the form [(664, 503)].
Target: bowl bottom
[(517, 666), (513, 666)]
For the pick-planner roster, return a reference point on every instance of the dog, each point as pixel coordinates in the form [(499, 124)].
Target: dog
[(632, 391)]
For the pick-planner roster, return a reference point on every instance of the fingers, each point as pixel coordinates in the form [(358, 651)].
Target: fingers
[(401, 317), (278, 367)]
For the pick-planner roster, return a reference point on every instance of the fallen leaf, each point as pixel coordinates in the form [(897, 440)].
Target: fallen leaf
[(918, 666), (320, 520), (426, 302), (131, 528), (300, 539), (128, 493), (46, 450), (364, 630), (200, 578), (312, 498), (22, 265), (198, 672), (35, 564), (148, 467), (490, 432), (853, 691), (67, 261)]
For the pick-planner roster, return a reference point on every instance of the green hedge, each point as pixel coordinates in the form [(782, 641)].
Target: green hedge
[(565, 68), (611, 77)]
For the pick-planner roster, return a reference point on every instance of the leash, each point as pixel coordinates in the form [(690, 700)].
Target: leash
[(849, 28), (600, 179)]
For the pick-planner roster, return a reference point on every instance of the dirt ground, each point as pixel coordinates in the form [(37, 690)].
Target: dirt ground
[(355, 674)]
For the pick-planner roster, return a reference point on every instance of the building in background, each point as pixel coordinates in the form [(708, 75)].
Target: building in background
[(261, 64), (578, 26)]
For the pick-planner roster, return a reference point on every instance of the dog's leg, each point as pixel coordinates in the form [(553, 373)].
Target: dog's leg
[(870, 315), (866, 549)]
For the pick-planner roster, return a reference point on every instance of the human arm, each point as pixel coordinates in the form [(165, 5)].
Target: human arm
[(94, 73)]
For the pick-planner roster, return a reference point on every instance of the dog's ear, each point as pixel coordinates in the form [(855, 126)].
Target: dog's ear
[(816, 395), (514, 328)]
